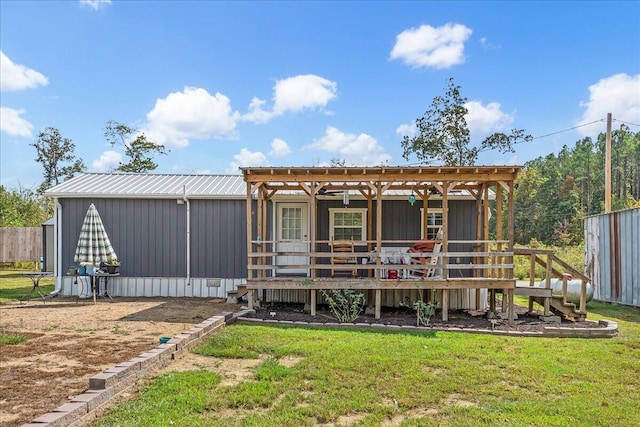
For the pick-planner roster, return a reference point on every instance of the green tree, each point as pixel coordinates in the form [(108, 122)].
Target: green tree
[(136, 146), (23, 208), (556, 192), (444, 135), (57, 158)]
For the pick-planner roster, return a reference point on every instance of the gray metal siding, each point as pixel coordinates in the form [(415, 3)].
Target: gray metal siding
[(149, 236), (612, 256), (219, 238), (462, 226), (401, 221)]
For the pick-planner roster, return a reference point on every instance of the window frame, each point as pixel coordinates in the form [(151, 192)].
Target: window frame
[(436, 227), (363, 225)]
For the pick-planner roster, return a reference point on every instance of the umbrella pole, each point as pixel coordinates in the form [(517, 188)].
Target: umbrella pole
[(93, 287)]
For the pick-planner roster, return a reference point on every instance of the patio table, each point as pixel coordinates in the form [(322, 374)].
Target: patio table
[(35, 277), (94, 283)]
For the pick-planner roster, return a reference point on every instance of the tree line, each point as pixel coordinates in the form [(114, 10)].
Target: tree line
[(556, 192)]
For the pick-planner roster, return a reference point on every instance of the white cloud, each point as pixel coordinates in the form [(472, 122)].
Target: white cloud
[(292, 95), (487, 119), (440, 47), (279, 148), (303, 92), (486, 44), (408, 129), (95, 4), (13, 124), (108, 161), (247, 158), (18, 77), (356, 150), (618, 95), (256, 114), (191, 114)]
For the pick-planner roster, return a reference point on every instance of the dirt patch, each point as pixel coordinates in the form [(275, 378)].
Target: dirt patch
[(72, 341)]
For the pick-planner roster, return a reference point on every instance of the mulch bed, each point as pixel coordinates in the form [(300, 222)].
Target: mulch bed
[(404, 316)]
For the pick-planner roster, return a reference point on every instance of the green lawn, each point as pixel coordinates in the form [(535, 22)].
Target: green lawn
[(369, 378), (14, 286)]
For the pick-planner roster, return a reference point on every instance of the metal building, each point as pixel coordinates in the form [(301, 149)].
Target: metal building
[(612, 256), (176, 235), (186, 235)]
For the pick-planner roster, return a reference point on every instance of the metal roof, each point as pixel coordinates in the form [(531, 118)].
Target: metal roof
[(144, 185)]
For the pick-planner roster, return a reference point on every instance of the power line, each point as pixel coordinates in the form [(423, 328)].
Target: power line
[(626, 123), (550, 134), (567, 130)]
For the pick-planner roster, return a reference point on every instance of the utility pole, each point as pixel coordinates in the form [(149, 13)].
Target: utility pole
[(607, 168)]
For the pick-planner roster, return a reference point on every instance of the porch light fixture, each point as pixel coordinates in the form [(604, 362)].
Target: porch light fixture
[(345, 197), (412, 198)]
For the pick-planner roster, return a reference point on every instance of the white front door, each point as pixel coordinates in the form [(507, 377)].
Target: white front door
[(292, 234)]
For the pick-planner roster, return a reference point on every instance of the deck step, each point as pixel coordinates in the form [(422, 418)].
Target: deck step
[(564, 309), (239, 292), (532, 291)]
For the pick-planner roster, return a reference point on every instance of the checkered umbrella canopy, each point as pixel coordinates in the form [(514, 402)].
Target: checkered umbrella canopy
[(94, 246)]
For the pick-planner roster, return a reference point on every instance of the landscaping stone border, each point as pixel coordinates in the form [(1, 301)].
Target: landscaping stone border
[(609, 330), (111, 383)]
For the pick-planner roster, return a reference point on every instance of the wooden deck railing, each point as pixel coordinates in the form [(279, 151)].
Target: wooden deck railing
[(265, 259), (554, 267)]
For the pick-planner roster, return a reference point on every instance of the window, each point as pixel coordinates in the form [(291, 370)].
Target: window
[(434, 222), (291, 223), (347, 224)]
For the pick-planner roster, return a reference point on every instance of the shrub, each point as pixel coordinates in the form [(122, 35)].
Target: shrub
[(345, 304)]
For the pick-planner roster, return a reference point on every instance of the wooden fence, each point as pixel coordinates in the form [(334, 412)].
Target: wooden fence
[(20, 244)]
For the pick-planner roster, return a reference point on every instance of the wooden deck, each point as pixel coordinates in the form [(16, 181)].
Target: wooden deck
[(487, 262)]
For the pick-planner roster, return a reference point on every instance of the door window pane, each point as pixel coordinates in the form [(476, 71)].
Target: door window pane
[(291, 223)]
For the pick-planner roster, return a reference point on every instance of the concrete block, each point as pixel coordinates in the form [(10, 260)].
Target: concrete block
[(227, 315), (129, 364), (51, 418), (194, 332), (551, 319), (120, 371), (504, 316), (102, 380)]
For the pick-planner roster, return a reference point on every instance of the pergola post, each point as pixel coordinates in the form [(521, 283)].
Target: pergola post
[(511, 222), (249, 244), (312, 243), (378, 244), (445, 248)]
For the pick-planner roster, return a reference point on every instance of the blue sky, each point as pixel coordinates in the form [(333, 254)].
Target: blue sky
[(228, 84)]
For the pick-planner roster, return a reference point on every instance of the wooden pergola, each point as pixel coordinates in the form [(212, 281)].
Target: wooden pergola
[(492, 266)]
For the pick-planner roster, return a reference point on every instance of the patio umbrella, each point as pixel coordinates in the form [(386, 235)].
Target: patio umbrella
[(94, 245)]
